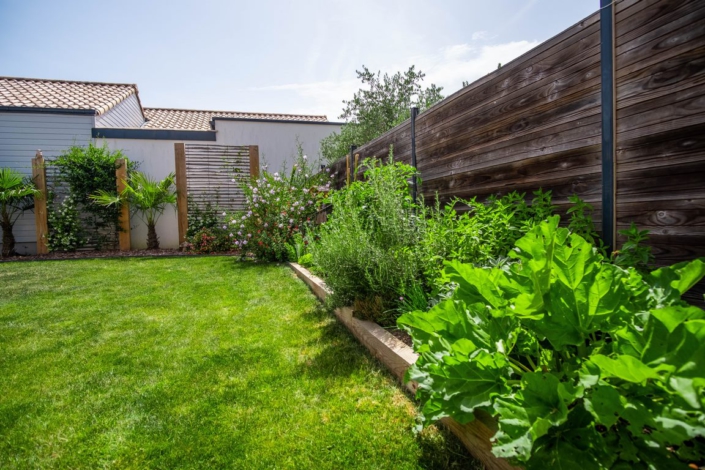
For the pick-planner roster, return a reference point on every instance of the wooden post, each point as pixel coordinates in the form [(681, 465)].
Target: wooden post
[(40, 203), (181, 190), (347, 170), (254, 161), (120, 178)]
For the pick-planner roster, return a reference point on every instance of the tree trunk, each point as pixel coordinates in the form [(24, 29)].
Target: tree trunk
[(8, 239), (152, 240)]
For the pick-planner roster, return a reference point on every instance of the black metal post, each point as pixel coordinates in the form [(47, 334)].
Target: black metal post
[(608, 119), (414, 188)]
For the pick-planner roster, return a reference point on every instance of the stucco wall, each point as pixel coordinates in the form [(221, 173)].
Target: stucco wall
[(21, 135), (276, 141), (156, 158)]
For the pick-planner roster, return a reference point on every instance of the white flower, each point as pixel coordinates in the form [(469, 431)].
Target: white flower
[(254, 190), (244, 217), (291, 221), (224, 214), (305, 157), (281, 225), (232, 181)]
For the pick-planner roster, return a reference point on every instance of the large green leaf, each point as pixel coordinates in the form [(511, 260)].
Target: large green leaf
[(530, 413), (669, 283), (624, 367)]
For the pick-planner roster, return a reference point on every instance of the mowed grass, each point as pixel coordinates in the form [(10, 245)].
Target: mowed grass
[(192, 363)]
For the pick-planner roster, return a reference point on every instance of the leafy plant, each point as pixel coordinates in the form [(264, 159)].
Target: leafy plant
[(65, 232), (199, 219), (581, 222), (209, 240), (384, 103), (306, 260), (586, 364), (484, 233), (279, 206), (367, 249), (633, 252), (16, 196), (87, 171), (145, 195)]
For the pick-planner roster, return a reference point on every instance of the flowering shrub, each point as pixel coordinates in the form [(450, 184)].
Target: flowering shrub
[(278, 207), (209, 240), (65, 233)]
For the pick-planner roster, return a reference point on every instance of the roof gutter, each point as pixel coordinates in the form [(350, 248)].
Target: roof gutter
[(274, 121), (152, 134), (25, 109)]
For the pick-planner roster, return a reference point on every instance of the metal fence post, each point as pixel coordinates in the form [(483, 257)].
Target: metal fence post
[(608, 123), (414, 186)]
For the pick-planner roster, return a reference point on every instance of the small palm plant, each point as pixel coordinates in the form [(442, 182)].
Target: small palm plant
[(16, 196), (148, 196)]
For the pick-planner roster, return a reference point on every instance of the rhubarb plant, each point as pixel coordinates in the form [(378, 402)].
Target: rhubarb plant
[(585, 364)]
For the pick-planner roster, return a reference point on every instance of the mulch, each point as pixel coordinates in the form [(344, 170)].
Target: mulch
[(109, 254), (402, 335)]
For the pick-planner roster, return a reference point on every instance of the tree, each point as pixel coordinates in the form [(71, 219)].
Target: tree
[(384, 103), (16, 196), (147, 196)]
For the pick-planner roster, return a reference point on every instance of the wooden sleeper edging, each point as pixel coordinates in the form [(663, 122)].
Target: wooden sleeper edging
[(397, 357)]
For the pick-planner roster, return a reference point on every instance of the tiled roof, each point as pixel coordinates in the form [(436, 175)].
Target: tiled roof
[(62, 94), (191, 119)]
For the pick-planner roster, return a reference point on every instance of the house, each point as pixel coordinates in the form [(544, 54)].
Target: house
[(52, 115)]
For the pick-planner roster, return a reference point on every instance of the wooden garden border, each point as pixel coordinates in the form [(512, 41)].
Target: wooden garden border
[(397, 357)]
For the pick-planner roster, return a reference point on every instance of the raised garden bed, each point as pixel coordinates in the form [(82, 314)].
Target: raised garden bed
[(397, 357)]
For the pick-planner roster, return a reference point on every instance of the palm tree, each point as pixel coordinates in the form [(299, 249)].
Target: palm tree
[(148, 196), (16, 196)]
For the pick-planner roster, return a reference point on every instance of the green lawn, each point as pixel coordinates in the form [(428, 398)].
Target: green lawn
[(192, 363)]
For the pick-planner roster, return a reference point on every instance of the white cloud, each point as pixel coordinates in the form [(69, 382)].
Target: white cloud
[(480, 35), (463, 62), (448, 68)]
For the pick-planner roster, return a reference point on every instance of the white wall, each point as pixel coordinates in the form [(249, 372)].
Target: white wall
[(276, 141), (21, 135), (156, 159)]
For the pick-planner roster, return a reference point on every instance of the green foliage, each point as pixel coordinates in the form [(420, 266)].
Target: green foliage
[(633, 252), (581, 222), (87, 171), (367, 248), (199, 219), (146, 196), (585, 363), (16, 196), (384, 103), (483, 234), (279, 207), (306, 260), (209, 240), (65, 231)]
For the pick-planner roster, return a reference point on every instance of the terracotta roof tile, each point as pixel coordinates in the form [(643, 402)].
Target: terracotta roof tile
[(62, 94), (162, 118)]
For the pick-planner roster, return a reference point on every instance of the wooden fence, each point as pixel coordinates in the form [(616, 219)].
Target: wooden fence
[(208, 175), (537, 122)]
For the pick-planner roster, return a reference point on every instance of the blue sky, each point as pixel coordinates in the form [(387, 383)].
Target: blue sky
[(266, 55)]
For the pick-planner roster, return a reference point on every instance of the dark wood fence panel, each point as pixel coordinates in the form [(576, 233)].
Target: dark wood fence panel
[(536, 122)]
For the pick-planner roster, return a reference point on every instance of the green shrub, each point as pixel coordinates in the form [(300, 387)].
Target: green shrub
[(65, 231), (201, 218), (278, 207), (586, 364), (367, 249), (88, 171), (306, 260), (209, 240), (483, 234)]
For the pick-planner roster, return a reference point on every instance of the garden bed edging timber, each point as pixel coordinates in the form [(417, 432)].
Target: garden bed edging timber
[(397, 357)]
